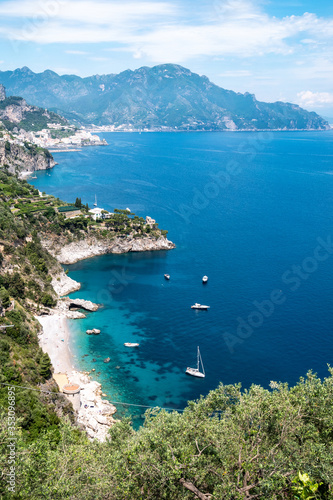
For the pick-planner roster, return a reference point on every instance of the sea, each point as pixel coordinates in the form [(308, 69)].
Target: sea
[(251, 210)]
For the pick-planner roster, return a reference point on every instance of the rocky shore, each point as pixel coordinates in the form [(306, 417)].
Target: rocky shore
[(19, 159), (95, 414), (91, 247)]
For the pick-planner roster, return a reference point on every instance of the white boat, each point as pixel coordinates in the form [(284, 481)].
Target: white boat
[(204, 279), (95, 204), (167, 276), (195, 372), (131, 344), (199, 306)]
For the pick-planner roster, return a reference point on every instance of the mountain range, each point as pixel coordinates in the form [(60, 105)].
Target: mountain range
[(164, 97)]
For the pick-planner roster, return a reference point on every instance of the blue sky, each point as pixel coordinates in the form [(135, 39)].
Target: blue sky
[(278, 49)]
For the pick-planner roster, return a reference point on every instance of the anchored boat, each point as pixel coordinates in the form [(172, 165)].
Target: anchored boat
[(199, 306), (204, 279), (131, 344), (195, 372)]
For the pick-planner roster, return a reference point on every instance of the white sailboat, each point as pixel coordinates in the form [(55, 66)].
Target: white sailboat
[(195, 371), (95, 204)]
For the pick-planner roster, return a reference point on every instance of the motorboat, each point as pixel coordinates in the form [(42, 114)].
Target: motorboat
[(195, 372), (204, 279), (167, 276), (199, 306), (131, 344)]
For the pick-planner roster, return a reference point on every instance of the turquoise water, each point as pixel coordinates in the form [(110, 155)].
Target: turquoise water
[(247, 210)]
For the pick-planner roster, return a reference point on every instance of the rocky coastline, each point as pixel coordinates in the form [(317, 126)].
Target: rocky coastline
[(91, 246), (96, 414), (18, 159)]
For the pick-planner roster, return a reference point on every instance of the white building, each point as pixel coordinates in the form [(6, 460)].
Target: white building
[(149, 221), (100, 213)]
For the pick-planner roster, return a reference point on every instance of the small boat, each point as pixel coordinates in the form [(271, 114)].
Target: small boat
[(204, 279), (167, 276), (195, 372), (33, 177), (131, 344), (199, 306), (95, 204)]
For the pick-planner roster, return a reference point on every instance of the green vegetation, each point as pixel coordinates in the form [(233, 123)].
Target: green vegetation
[(11, 101), (63, 133), (233, 445), (262, 444), (35, 150)]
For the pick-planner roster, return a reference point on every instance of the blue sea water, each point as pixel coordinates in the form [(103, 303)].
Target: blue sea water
[(254, 212)]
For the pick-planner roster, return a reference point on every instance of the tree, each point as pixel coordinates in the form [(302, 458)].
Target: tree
[(4, 297), (45, 365), (78, 203), (47, 300)]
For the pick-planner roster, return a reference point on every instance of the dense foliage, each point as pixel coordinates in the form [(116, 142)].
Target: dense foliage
[(231, 445)]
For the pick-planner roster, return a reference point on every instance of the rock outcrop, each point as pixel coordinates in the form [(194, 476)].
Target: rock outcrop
[(91, 246), (19, 159), (71, 308), (2, 92), (94, 331), (63, 284), (87, 305), (95, 414)]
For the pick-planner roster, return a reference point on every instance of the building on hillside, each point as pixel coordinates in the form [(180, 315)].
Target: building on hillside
[(100, 213), (69, 212), (150, 222)]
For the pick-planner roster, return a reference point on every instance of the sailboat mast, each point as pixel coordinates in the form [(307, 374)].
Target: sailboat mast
[(198, 354), (200, 359)]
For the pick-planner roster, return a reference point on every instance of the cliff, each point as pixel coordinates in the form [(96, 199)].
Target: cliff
[(19, 158), (2, 92), (91, 246)]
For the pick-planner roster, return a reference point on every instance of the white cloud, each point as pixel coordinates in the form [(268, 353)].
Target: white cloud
[(306, 98), (161, 32), (77, 52), (84, 11)]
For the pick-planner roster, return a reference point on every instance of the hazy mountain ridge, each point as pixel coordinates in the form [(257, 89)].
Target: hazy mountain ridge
[(165, 97)]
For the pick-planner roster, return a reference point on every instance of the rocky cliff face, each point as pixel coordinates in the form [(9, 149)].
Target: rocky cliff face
[(91, 246), (19, 159), (2, 93), (15, 113)]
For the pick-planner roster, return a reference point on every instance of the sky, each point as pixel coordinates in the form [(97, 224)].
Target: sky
[(277, 50)]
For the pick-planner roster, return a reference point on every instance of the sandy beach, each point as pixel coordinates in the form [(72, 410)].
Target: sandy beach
[(54, 340), (95, 413)]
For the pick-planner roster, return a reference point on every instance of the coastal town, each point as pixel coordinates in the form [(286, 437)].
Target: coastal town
[(55, 138)]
